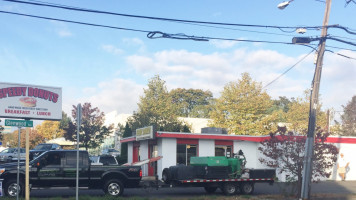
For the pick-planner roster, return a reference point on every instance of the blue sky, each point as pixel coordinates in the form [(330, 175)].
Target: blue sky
[(110, 68)]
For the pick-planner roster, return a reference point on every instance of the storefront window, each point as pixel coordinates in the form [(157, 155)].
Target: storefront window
[(185, 152), (223, 151)]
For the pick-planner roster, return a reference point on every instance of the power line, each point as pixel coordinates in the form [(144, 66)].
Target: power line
[(342, 55), (37, 3), (288, 70), (74, 22), (150, 34)]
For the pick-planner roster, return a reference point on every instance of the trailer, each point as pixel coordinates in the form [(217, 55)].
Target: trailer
[(211, 173)]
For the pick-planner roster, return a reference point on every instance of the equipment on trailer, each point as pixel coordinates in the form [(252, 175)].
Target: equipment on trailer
[(228, 174)]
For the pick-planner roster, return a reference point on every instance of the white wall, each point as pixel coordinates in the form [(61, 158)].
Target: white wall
[(167, 147), (250, 152), (129, 152), (206, 148)]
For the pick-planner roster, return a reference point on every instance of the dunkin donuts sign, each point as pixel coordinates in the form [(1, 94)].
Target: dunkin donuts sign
[(30, 101)]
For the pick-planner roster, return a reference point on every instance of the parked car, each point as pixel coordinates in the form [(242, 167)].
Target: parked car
[(10, 154), (103, 160), (40, 148), (112, 152)]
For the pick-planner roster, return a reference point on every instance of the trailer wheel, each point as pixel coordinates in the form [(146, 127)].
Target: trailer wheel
[(166, 176), (113, 187), (11, 188), (229, 188), (210, 190), (247, 188)]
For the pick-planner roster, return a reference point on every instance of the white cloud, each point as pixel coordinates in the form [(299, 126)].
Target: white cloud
[(112, 49), (64, 33), (223, 44), (115, 95)]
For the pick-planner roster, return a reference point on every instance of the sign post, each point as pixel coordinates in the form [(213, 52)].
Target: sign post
[(22, 101), (19, 124), (79, 121)]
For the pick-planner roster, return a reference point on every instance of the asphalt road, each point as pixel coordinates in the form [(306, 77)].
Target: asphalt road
[(326, 187)]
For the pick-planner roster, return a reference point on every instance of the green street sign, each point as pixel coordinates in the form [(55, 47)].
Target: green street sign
[(18, 123)]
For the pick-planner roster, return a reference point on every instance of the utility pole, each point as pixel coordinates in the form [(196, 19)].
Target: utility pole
[(309, 146)]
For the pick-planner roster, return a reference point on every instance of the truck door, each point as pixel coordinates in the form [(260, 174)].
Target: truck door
[(70, 168), (49, 169)]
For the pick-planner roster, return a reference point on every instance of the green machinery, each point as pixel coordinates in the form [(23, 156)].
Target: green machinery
[(235, 164)]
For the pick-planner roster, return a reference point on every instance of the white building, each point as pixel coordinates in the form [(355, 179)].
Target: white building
[(177, 148)]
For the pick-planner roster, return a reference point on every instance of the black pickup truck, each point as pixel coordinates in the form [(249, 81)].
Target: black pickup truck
[(57, 168)]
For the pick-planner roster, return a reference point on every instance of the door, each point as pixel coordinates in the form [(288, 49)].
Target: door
[(70, 168), (136, 152), (152, 166), (48, 169)]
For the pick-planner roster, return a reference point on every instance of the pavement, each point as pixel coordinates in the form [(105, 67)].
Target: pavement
[(326, 188)]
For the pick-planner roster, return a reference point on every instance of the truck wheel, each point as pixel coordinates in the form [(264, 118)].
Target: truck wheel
[(229, 188), (247, 188), (210, 190), (113, 187), (11, 188), (166, 176)]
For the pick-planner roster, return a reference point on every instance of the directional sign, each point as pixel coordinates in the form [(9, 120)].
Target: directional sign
[(18, 123)]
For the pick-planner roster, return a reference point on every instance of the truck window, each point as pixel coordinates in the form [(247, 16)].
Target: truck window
[(71, 159), (52, 158)]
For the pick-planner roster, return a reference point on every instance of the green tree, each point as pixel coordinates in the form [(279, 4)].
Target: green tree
[(1, 130), (297, 116), (243, 108), (123, 155), (92, 130), (156, 108), (348, 118), (192, 102)]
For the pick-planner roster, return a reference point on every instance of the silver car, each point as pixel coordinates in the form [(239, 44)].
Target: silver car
[(10, 154)]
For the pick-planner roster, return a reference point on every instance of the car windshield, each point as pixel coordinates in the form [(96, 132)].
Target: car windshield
[(43, 147), (10, 150)]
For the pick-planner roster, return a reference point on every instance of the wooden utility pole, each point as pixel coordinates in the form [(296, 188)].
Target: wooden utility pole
[(309, 146)]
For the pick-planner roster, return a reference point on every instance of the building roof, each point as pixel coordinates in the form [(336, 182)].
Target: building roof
[(162, 134)]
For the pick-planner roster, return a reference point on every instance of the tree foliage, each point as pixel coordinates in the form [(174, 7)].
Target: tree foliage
[(1, 130), (92, 130), (49, 129), (243, 108), (123, 155), (297, 116), (348, 127), (285, 151), (11, 139), (156, 108), (192, 102)]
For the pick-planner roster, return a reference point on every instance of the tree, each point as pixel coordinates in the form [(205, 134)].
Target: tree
[(297, 116), (348, 126), (34, 137), (192, 102), (1, 130), (92, 130), (243, 108), (49, 129), (285, 151), (124, 150), (156, 108)]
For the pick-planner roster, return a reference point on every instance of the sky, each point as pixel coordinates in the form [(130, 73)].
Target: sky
[(110, 67)]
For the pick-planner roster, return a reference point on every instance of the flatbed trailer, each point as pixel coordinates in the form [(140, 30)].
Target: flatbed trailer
[(228, 186)]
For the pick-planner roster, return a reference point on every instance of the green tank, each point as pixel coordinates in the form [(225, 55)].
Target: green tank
[(209, 161), (236, 164)]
